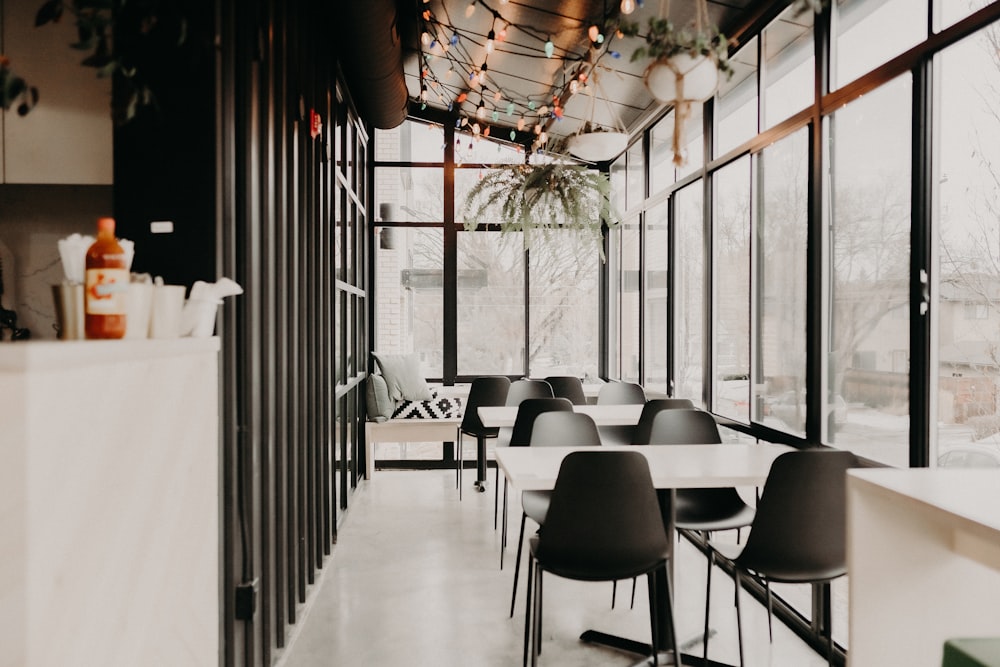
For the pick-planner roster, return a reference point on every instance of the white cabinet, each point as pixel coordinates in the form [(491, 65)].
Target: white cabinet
[(67, 138)]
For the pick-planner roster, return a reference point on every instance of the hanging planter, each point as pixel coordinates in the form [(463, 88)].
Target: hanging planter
[(541, 199), (593, 142), (687, 65)]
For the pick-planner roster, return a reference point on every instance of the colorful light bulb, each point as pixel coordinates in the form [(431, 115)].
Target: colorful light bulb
[(550, 48)]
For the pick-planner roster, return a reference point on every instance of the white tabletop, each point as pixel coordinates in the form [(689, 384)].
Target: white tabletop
[(671, 466), (603, 415)]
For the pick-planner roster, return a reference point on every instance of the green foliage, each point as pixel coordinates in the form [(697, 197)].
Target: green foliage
[(542, 199), (117, 33), (14, 88), (664, 40)]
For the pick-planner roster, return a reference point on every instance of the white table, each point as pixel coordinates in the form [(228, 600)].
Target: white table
[(923, 554), (671, 467), (603, 415)]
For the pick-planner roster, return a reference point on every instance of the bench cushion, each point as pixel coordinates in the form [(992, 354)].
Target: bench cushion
[(439, 407), (378, 404), (403, 377)]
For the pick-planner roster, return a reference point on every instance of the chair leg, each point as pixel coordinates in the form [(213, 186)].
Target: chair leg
[(503, 518), (536, 632), (708, 600), (739, 622), (458, 464), (496, 498), (632, 602), (654, 625), (517, 564), (767, 593), (670, 610), (480, 464), (527, 610), (614, 592)]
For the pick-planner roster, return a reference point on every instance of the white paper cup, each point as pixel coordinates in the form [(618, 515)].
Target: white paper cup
[(199, 317), (165, 315), (139, 305)]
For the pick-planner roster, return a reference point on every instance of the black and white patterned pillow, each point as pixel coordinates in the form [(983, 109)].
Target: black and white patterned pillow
[(439, 407)]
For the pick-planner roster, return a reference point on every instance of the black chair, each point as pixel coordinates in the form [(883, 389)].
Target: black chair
[(641, 436), (484, 391), (653, 406), (568, 386), (799, 535), (527, 411), (603, 524), (519, 391), (551, 429), (619, 393)]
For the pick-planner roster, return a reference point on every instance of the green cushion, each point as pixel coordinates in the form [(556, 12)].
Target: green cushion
[(377, 401), (972, 652), (403, 377)]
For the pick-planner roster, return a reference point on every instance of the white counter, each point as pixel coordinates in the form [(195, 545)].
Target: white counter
[(923, 562), (109, 503)]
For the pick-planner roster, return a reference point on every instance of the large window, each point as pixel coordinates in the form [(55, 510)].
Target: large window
[(870, 32), (967, 307), (625, 351), (788, 66), (736, 101), (689, 287), (656, 248), (866, 406), (782, 233), (731, 320)]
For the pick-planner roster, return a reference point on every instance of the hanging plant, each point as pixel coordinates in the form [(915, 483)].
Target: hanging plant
[(593, 142), (14, 88), (686, 65), (541, 199)]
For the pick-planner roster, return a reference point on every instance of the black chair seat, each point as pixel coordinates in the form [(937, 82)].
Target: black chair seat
[(602, 562), (711, 510)]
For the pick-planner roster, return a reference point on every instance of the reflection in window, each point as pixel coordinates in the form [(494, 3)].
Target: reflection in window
[(410, 142), (627, 349), (490, 325), (409, 194), (948, 12), (782, 231), (475, 150), (872, 32), (731, 253), (563, 316), (661, 155), (689, 282), (967, 307), (866, 409), (409, 280), (788, 65), (736, 104), (655, 311), (694, 143), (635, 176)]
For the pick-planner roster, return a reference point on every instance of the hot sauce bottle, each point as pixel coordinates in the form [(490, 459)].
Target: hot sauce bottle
[(106, 285)]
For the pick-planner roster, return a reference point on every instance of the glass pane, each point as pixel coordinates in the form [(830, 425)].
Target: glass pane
[(655, 312), (948, 12), (868, 363), (661, 165), (617, 178), (409, 194), (635, 175), (490, 304), (564, 306), (732, 290), (410, 142), (693, 141), (408, 294), (689, 282), (788, 66), (869, 33), (736, 104), (479, 150), (967, 309), (782, 231), (628, 301)]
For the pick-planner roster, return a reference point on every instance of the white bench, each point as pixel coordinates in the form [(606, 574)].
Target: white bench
[(407, 430)]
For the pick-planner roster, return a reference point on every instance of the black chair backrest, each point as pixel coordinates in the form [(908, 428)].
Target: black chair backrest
[(644, 428), (604, 519), (484, 391), (800, 530), (562, 429), (522, 389), (683, 427), (568, 386), (621, 393), (528, 410)]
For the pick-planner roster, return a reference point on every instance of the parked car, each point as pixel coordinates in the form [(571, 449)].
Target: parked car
[(790, 407), (969, 456)]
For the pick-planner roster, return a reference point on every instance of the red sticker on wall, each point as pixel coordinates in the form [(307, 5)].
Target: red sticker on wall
[(315, 123)]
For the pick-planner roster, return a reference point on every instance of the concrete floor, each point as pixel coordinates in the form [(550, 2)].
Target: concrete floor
[(415, 580)]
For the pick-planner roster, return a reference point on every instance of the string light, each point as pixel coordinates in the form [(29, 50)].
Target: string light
[(489, 40), (470, 9), (481, 111), (550, 48), (482, 73), (628, 6)]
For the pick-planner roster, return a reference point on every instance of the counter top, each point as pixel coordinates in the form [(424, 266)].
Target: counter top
[(51, 354)]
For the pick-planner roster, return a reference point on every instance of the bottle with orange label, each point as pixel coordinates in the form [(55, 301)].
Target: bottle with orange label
[(107, 281)]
